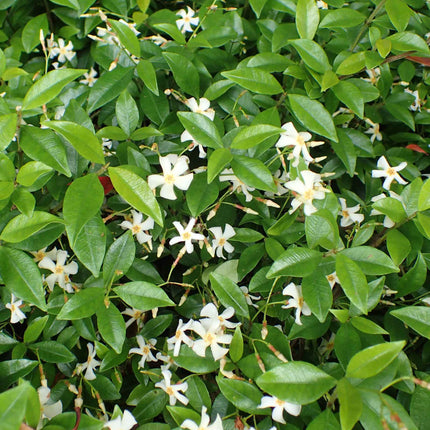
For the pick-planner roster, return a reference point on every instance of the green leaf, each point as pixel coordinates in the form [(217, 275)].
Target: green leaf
[(414, 279), (342, 18), (77, 308), (146, 72), (143, 296), (253, 173), (86, 192), (424, 197), (257, 6), (398, 246), (307, 18), (236, 345), (317, 294), (22, 227), (31, 172), (22, 277), (296, 262), (119, 258), (255, 80), (109, 86), (367, 326), (217, 161), (144, 133), (313, 115), (135, 191), (352, 64), (399, 13), (321, 229), (24, 201), (408, 41), (30, 32), (351, 405), (52, 352), (83, 140), (201, 128), (13, 405), (111, 325), (325, 420), (35, 328), (126, 36), (126, 112), (416, 317), (371, 261), (312, 54), (372, 360), (251, 136), (184, 72), (45, 146), (243, 395), (7, 129), (180, 414), (6, 190), (192, 362), (353, 282), (229, 294), (49, 86), (200, 194), (351, 96), (296, 382), (11, 371), (217, 89)]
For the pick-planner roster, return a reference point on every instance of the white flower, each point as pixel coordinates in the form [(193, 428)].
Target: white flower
[(219, 242), (373, 130), (136, 315), (322, 4), (280, 177), (169, 361), (90, 78), (228, 175), (186, 21), (144, 350), (186, 136), (373, 75), (173, 390), (60, 272), (64, 52), (416, 105), (131, 26), (204, 422), (203, 107), (306, 191), (90, 365), (297, 301), (174, 168), (349, 215), (390, 173), (279, 407), (175, 341), (47, 408), (138, 227), (16, 314), (211, 335), (186, 235), (218, 320), (157, 39), (126, 422), (290, 137), (388, 222), (248, 297), (332, 279)]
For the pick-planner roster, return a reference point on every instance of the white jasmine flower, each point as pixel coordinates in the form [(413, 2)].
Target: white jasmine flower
[(373, 75), (60, 271), (390, 173), (306, 191), (90, 365), (47, 408), (175, 341), (213, 318), (332, 279), (280, 177), (322, 4), (416, 105), (279, 406), (144, 350), (219, 242), (349, 215), (297, 301), (373, 130), (138, 227), (290, 137), (16, 314), (211, 335), (186, 235), (388, 222), (174, 168), (173, 390), (42, 253), (203, 107), (131, 26), (157, 39), (136, 315), (64, 52), (126, 422), (204, 422), (228, 175), (426, 300), (248, 297), (186, 136), (107, 36), (90, 78), (165, 359), (186, 21)]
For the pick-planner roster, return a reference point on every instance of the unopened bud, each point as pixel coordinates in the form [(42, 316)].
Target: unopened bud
[(113, 64), (268, 202), (103, 17), (154, 312), (167, 91), (277, 353), (264, 331), (184, 297), (79, 402), (72, 388)]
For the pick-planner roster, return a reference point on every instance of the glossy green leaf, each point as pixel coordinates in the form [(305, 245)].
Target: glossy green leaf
[(184, 72), (7, 129), (31, 172), (251, 136), (218, 160), (352, 64), (30, 32), (200, 194), (12, 370), (13, 405), (255, 80), (399, 13), (77, 306), (312, 54), (24, 201), (398, 246), (35, 328), (321, 229), (342, 18), (146, 72), (351, 405), (408, 41), (351, 96), (414, 278), (52, 352), (367, 326), (126, 36), (201, 128), (307, 18), (126, 112), (317, 294), (424, 197), (416, 317), (111, 325), (325, 420)]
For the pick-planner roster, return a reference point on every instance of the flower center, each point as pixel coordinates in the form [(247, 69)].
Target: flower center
[(178, 334), (222, 242), (345, 213), (330, 278), (13, 308), (187, 18), (280, 402), (209, 338), (300, 141), (63, 51), (186, 235), (145, 350), (391, 171), (137, 314), (40, 255), (169, 391), (300, 302), (58, 270), (169, 178), (308, 194), (136, 229)]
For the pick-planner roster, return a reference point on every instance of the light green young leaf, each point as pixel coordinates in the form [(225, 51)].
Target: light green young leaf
[(342, 18), (7, 129), (351, 405), (416, 317), (307, 18)]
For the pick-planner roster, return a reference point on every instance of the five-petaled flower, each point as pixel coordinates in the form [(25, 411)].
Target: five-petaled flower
[(228, 175), (349, 215), (173, 390), (174, 168), (138, 227), (186, 235), (203, 107), (219, 242), (187, 20), (64, 52), (373, 130), (180, 337), (124, 422), (48, 408), (90, 365), (90, 78), (297, 301), (16, 314), (388, 172), (204, 422), (279, 406), (144, 350)]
